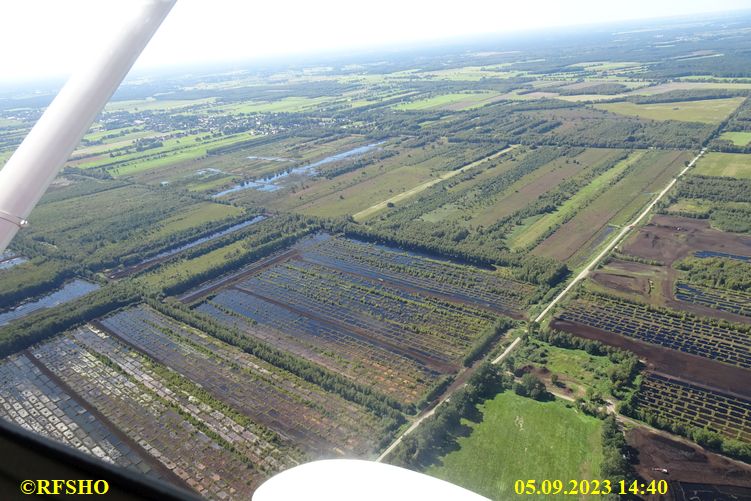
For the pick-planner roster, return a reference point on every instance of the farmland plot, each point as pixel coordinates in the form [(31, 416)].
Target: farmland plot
[(464, 284), (706, 111), (695, 406), (320, 424), (32, 400), (721, 342), (144, 417)]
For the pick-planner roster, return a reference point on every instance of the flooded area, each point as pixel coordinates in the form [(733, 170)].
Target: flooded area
[(10, 259), (193, 243), (273, 183), (208, 238), (70, 291)]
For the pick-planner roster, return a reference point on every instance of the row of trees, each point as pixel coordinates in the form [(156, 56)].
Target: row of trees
[(717, 272), (44, 324), (716, 189), (381, 405), (702, 436), (437, 434), (487, 339)]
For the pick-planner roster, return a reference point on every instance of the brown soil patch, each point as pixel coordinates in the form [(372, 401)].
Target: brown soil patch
[(685, 462), (562, 387), (623, 283), (719, 376), (670, 238)]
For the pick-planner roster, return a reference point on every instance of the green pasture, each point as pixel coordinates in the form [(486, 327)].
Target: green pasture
[(737, 138), (519, 439), (736, 165), (457, 101), (710, 111)]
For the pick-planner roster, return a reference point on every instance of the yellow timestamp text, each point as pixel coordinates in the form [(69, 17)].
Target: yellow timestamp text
[(589, 487)]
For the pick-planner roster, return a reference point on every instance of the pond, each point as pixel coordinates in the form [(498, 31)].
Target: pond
[(70, 291), (272, 183)]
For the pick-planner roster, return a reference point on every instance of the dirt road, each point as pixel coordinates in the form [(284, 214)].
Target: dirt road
[(626, 229)]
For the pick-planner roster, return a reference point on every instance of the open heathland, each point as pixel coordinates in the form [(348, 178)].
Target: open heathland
[(518, 437), (735, 165), (708, 111)]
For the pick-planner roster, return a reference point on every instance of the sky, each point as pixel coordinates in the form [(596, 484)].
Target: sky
[(50, 38)]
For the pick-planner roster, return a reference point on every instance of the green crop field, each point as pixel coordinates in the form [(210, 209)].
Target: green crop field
[(539, 226), (520, 438), (735, 165), (286, 105), (708, 111), (456, 101), (155, 104), (737, 138)]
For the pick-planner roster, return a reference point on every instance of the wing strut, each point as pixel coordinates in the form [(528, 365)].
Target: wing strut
[(41, 155)]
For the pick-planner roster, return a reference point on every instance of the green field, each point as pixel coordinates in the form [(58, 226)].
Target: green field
[(172, 151), (286, 105), (176, 271), (737, 138), (520, 438), (154, 104), (710, 111), (455, 101), (588, 371), (539, 226), (735, 165), (197, 215), (693, 205)]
